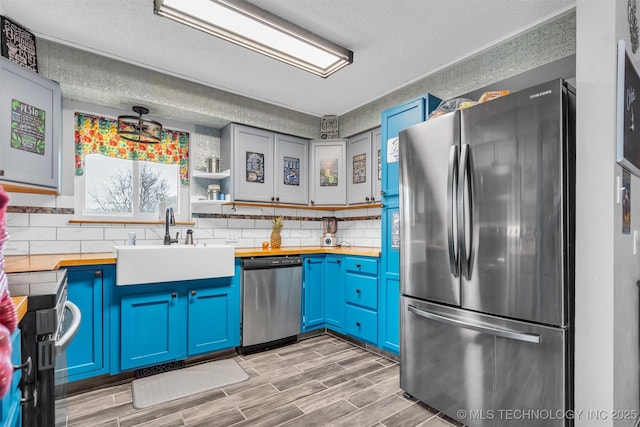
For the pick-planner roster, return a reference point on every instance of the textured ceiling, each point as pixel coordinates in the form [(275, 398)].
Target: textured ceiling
[(394, 42)]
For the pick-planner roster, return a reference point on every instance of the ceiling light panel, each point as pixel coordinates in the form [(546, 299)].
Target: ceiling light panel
[(249, 26)]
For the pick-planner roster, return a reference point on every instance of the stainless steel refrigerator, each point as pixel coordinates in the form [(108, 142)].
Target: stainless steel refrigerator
[(486, 271)]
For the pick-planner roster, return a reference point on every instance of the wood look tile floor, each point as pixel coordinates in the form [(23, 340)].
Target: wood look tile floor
[(319, 381)]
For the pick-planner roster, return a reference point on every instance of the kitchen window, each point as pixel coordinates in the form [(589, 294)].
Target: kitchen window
[(129, 181)]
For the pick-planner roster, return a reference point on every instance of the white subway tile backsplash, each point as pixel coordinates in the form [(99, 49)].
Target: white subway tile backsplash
[(54, 247), (80, 233), (212, 223), (256, 233), (299, 233), (51, 220), (263, 223), (241, 223), (123, 233), (88, 246), (16, 247), (17, 219), (40, 233), (32, 233)]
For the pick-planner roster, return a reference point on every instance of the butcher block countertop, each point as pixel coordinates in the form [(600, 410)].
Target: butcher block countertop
[(26, 263), (21, 306)]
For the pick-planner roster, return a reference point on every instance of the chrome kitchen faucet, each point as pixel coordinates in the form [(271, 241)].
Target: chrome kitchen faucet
[(169, 219)]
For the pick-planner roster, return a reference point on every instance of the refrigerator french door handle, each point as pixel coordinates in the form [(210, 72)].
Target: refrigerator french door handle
[(452, 189), (464, 183), (504, 333)]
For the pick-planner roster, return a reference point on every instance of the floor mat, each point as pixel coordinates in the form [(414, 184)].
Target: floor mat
[(173, 385)]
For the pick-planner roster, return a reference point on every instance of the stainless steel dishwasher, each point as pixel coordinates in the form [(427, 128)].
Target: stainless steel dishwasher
[(271, 301)]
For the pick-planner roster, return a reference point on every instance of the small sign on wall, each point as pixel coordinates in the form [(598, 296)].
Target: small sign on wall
[(18, 44), (329, 127), (27, 127)]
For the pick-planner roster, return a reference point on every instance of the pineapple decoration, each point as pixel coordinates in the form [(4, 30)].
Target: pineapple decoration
[(276, 240)]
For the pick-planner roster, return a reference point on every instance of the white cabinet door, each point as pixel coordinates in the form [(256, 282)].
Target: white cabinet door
[(291, 171), (31, 127), (363, 168), (359, 175), (253, 164), (328, 172)]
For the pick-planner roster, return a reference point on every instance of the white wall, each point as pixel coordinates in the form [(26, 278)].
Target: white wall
[(606, 324)]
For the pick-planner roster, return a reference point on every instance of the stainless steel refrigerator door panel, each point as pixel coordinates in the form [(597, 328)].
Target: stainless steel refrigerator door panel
[(517, 243), (453, 366), (428, 187), (270, 304)]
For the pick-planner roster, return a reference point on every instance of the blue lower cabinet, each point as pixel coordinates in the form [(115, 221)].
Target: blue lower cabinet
[(313, 316), (214, 316), (334, 292), (152, 329), (361, 323), (88, 352), (10, 408), (390, 314), (166, 322)]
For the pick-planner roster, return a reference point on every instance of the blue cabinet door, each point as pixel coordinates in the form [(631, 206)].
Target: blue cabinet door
[(394, 120), (334, 292), (214, 319), (389, 326), (313, 303), (152, 329), (87, 354)]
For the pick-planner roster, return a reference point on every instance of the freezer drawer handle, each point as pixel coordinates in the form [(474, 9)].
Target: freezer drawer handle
[(505, 333)]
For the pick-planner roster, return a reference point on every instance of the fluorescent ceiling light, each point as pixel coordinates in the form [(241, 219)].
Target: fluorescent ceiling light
[(243, 23)]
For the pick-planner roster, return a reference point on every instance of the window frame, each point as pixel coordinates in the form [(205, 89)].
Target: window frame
[(182, 212)]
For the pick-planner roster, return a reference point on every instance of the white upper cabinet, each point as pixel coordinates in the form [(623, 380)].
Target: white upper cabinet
[(363, 168), (328, 172), (291, 172), (30, 124), (265, 166)]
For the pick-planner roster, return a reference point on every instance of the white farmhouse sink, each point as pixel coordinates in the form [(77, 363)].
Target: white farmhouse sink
[(152, 264)]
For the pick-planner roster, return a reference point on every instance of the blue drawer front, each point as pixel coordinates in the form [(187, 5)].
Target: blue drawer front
[(361, 323), (361, 265), (362, 290)]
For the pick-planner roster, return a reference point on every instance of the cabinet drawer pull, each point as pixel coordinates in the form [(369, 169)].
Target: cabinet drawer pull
[(313, 202), (193, 293), (382, 193), (174, 295), (273, 199), (358, 265), (338, 260), (358, 324), (373, 199), (97, 273), (277, 199), (358, 291), (308, 261), (366, 199)]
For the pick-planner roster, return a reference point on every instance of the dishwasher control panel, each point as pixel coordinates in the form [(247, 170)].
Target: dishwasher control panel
[(271, 262)]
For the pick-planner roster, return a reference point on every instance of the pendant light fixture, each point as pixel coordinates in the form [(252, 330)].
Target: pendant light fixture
[(247, 25), (139, 129)]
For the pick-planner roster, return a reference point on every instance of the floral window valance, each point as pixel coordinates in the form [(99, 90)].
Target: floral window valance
[(99, 135)]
